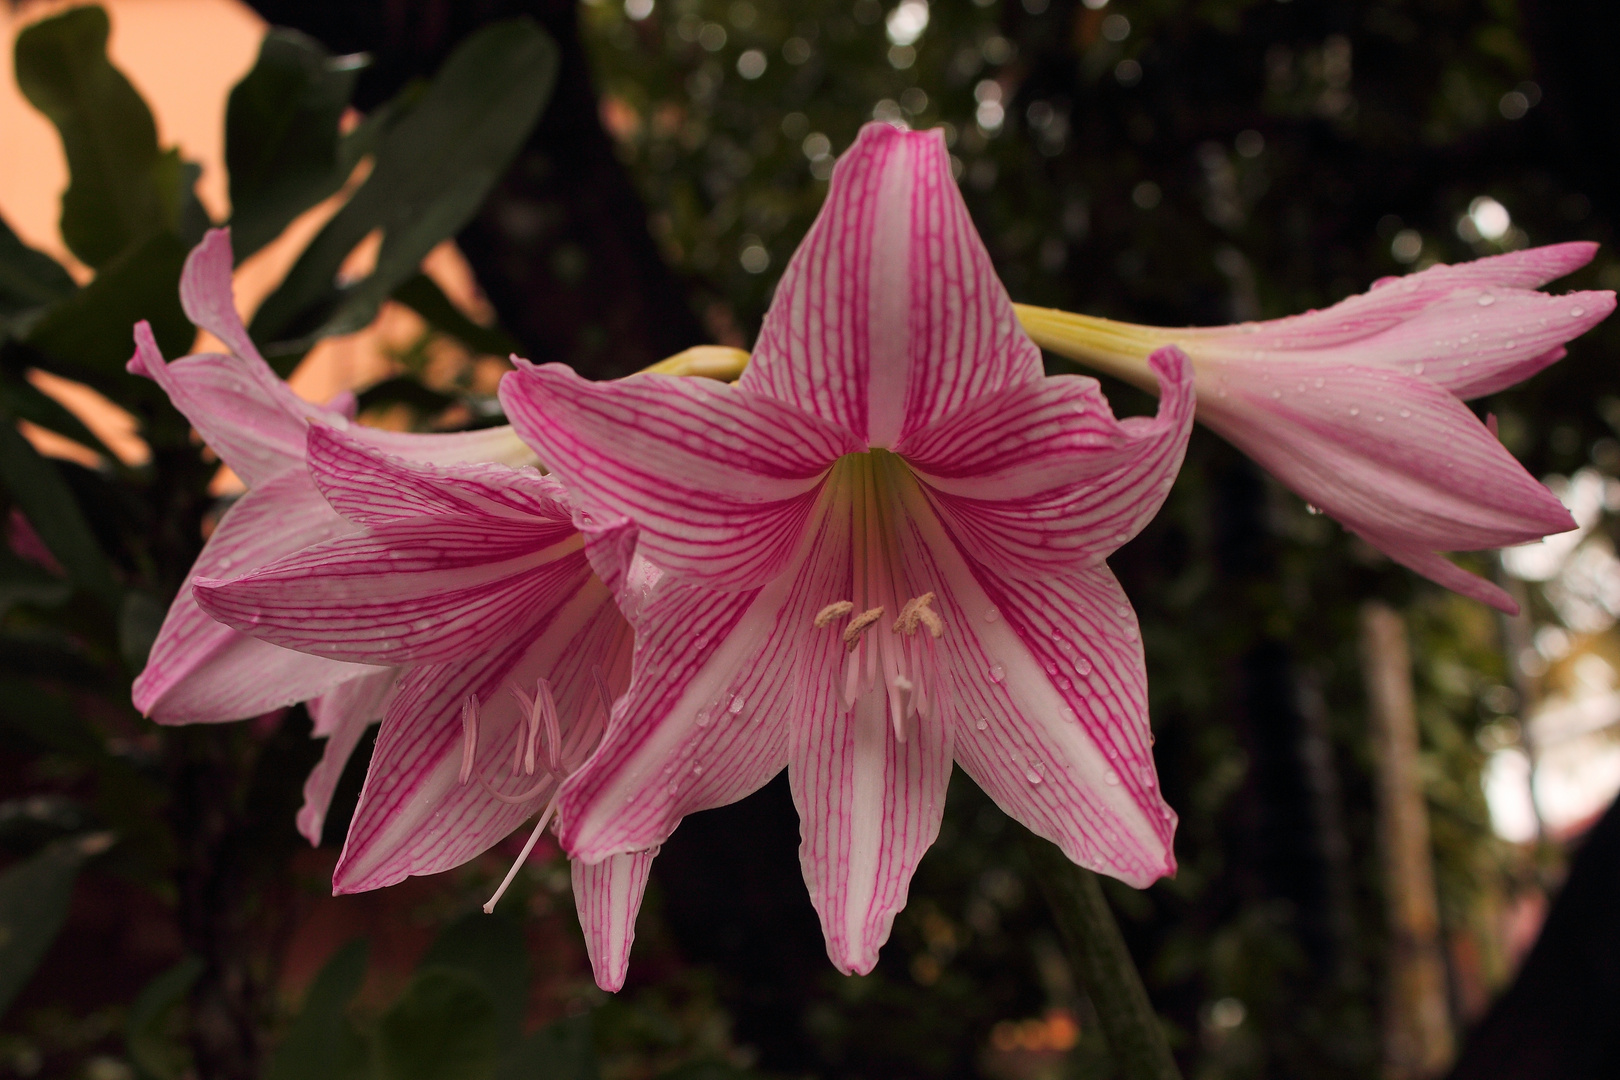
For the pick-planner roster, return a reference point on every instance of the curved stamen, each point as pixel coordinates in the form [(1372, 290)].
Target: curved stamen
[(523, 856)]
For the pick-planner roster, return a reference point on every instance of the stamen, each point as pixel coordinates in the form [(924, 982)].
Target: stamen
[(546, 706), (835, 610), (523, 856), (602, 691), (514, 800), (919, 612), (899, 710), (858, 625), (469, 735)]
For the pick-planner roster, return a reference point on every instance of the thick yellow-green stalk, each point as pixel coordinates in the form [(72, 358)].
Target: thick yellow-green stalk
[(1119, 349)]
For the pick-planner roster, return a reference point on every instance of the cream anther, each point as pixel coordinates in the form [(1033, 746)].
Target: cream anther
[(469, 736), (857, 626), (918, 612), (836, 610)]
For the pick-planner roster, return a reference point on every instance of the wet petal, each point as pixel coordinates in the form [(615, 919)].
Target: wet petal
[(607, 896)]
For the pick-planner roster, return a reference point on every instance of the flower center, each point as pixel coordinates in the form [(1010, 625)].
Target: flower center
[(889, 626)]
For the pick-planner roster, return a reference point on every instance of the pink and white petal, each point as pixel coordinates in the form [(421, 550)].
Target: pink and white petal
[(869, 806), (714, 691), (369, 486), (242, 410), (207, 298), (416, 590), (718, 480), (1442, 571), (1388, 454), (607, 896), (890, 315), (341, 716), (201, 671), (1393, 300), (1070, 489), (1474, 342), (415, 815)]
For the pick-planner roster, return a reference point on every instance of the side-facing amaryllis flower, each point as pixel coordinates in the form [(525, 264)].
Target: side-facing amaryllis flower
[(473, 582), (882, 550), (199, 670), (1359, 408)]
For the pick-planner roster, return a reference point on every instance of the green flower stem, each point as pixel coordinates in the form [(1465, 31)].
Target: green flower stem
[(1098, 955)]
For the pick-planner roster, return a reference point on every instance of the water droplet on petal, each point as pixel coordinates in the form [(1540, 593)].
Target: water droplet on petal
[(736, 705), (1311, 509), (1111, 778), (1576, 312), (991, 614), (1032, 776), (1082, 665), (1509, 344), (1486, 299), (1405, 413), (702, 718), (1417, 369), (982, 724), (697, 770), (997, 673), (1355, 412), (1276, 393), (1050, 666), (1320, 383)]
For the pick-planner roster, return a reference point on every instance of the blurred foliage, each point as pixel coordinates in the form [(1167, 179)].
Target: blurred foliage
[(1150, 160)]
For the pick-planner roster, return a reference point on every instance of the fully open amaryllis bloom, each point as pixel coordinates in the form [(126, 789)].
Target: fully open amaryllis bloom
[(1359, 408), (881, 549), (473, 582), (199, 670)]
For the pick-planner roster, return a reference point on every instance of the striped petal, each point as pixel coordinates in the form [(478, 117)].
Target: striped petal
[(207, 297), (1043, 477), (718, 480), (416, 816), (890, 315), (341, 717), (202, 671), (607, 896)]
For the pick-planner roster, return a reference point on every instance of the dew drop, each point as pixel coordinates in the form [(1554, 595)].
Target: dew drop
[(701, 640), (1122, 610), (703, 718), (1276, 393), (1486, 299), (1312, 509), (1355, 412), (674, 786), (1320, 383), (1379, 417), (1509, 344), (982, 725), (1417, 369), (1082, 665), (736, 705), (1111, 778), (1576, 312), (997, 673), (1032, 776), (1062, 683), (1220, 391), (1405, 413), (1050, 666), (991, 614)]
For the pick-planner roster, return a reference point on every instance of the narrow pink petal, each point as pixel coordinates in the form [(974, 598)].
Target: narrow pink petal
[(869, 806), (1476, 341), (1044, 478), (415, 590), (1443, 571), (368, 484), (1386, 453), (241, 410), (712, 697), (890, 314), (341, 717), (415, 816), (206, 295), (718, 480), (1393, 300), (607, 896), (201, 671)]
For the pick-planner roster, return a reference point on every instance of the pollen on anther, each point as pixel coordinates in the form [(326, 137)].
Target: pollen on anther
[(917, 612), (836, 610), (857, 626)]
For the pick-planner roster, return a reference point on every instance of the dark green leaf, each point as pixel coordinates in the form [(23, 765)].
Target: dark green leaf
[(21, 582), (151, 1045), (444, 1028), (34, 898), (47, 719), (27, 402), (281, 136), (43, 496), (403, 389), (322, 1044), (433, 168), (28, 278), (89, 335), (489, 948), (707, 1070), (560, 1051), (122, 189), (139, 621), (422, 295)]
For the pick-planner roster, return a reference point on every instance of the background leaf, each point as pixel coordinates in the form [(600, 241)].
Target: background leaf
[(322, 1044), (147, 1036), (433, 168), (122, 188), (559, 1051), (34, 898), (28, 278), (43, 496), (445, 1027), (282, 145), (489, 949)]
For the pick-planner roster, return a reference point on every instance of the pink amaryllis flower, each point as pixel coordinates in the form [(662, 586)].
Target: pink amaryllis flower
[(1359, 408), (473, 581), (199, 670), (881, 550)]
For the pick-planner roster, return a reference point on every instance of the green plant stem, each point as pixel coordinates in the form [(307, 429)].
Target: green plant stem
[(1099, 957)]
